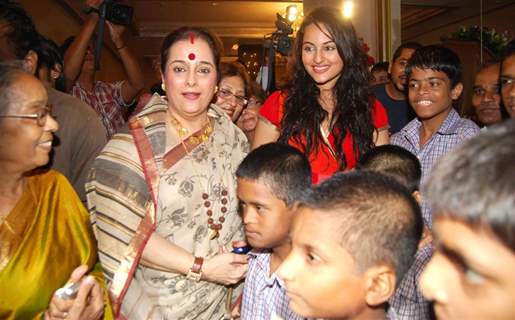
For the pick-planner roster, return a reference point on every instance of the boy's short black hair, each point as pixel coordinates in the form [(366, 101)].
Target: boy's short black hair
[(282, 168), (436, 58), (393, 161), (379, 220), (408, 45), (380, 66), (475, 183)]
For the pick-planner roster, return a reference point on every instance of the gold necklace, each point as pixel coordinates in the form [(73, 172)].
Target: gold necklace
[(183, 133)]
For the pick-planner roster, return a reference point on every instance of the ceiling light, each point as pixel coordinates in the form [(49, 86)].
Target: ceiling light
[(348, 6), (291, 13)]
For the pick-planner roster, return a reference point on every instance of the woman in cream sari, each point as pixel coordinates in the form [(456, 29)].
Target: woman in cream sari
[(45, 239), (162, 195)]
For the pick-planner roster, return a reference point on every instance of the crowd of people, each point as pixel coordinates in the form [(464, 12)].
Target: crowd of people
[(346, 194)]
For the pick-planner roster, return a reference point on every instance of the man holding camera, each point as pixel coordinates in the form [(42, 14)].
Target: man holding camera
[(108, 99)]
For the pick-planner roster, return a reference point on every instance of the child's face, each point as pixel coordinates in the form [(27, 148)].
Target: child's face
[(378, 77), (321, 277), (266, 218), (430, 93), (470, 275)]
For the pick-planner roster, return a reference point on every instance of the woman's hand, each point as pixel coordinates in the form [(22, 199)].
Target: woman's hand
[(225, 268), (88, 305), (266, 132)]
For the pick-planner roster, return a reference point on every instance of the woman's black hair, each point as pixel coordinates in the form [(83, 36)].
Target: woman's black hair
[(235, 69), (49, 55), (185, 33), (303, 114)]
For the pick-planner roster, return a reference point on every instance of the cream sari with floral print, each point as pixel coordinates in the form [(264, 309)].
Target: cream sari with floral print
[(181, 176)]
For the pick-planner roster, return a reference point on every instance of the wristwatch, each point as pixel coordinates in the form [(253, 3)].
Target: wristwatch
[(195, 273)]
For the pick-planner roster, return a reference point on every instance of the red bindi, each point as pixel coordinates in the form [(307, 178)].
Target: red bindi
[(191, 56), (192, 38)]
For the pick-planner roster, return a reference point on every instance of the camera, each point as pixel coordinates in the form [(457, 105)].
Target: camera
[(118, 13), (281, 40), (115, 12)]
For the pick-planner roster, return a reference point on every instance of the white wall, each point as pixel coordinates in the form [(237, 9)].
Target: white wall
[(364, 18)]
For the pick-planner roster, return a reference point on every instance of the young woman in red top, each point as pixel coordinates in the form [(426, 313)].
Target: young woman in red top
[(327, 111)]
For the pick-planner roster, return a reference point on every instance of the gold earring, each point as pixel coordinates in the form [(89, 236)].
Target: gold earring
[(216, 89), (163, 87)]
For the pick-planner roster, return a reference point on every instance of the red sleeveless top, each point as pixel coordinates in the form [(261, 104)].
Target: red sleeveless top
[(323, 161)]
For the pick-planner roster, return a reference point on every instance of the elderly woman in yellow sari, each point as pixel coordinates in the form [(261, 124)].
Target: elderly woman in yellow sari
[(45, 239), (162, 194)]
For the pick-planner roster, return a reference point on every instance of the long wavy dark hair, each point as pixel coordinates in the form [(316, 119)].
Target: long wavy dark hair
[(303, 114)]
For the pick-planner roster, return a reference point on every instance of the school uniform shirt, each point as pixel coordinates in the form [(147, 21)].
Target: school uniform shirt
[(264, 296), (391, 314), (453, 132), (408, 301)]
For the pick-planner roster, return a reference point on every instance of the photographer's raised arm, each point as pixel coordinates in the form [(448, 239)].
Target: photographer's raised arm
[(74, 55), (135, 82)]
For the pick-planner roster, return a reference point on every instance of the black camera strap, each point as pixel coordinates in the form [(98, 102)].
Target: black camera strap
[(270, 86), (100, 34)]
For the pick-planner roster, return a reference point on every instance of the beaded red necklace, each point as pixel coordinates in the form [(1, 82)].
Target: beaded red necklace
[(203, 137)]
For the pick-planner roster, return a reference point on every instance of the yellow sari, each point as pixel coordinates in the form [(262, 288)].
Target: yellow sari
[(42, 240)]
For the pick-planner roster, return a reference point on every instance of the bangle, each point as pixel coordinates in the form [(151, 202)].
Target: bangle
[(120, 48), (195, 273)]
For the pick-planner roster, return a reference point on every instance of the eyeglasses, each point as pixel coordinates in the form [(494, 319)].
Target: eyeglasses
[(226, 94), (39, 116)]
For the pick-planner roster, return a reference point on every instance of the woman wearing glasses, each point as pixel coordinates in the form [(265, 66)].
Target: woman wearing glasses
[(232, 89), (45, 239), (162, 195)]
